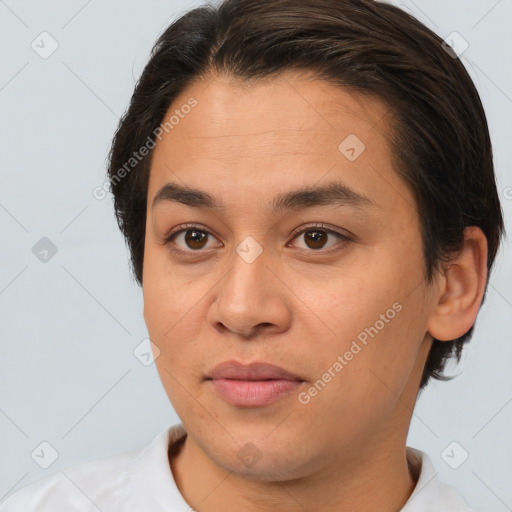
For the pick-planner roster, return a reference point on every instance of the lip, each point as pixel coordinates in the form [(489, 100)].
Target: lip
[(252, 385), (252, 371)]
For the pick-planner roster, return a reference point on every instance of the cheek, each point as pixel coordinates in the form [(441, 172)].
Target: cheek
[(167, 295), (172, 313), (354, 373), (347, 305), (375, 321)]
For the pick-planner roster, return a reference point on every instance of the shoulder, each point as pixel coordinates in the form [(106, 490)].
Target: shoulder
[(79, 487), (108, 484)]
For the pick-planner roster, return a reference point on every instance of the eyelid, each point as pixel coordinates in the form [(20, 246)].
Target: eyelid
[(183, 228), (302, 229), (320, 226), (343, 239)]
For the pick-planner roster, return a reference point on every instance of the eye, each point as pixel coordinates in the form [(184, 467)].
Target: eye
[(194, 239), (316, 237)]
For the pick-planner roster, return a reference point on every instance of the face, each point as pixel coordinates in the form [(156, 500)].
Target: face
[(329, 286)]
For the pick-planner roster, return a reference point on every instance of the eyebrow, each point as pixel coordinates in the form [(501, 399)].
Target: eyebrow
[(330, 194)]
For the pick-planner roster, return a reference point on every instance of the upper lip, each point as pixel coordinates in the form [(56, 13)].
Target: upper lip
[(252, 371)]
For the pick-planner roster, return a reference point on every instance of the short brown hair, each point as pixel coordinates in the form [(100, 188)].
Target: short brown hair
[(440, 136)]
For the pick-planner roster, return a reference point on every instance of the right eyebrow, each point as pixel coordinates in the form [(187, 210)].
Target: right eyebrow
[(331, 194)]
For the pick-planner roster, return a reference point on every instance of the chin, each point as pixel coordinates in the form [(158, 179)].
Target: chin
[(263, 463)]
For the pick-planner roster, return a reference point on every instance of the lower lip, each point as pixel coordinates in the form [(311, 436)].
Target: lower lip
[(245, 393)]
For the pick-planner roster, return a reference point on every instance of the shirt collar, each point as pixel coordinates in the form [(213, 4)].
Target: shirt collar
[(430, 494)]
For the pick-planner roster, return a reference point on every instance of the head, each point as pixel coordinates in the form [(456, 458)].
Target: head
[(347, 152)]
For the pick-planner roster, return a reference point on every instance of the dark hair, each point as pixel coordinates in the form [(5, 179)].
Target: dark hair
[(440, 137)]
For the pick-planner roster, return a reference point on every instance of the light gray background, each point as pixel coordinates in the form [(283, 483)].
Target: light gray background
[(68, 327)]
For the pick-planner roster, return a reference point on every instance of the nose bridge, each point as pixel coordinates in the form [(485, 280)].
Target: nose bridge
[(248, 273), (249, 295)]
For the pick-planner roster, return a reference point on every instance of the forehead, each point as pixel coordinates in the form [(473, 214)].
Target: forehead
[(263, 136), (228, 109)]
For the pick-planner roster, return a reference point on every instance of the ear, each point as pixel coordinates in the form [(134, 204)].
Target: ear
[(461, 289)]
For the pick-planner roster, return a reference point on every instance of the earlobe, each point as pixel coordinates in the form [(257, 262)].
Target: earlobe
[(461, 289)]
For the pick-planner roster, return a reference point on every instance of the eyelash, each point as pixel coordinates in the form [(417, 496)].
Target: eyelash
[(310, 227)]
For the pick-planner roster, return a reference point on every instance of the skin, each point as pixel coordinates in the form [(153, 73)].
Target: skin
[(297, 305)]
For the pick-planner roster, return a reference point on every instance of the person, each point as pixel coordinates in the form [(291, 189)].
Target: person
[(308, 195)]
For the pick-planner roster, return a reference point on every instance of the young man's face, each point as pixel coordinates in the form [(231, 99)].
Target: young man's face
[(345, 314)]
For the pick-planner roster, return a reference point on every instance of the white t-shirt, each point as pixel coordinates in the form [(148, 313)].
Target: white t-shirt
[(142, 481)]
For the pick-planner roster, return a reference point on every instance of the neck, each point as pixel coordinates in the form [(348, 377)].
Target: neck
[(378, 479)]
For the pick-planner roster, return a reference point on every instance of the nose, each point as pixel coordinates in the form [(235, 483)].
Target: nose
[(251, 299)]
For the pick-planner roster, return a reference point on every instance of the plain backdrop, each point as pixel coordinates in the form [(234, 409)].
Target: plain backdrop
[(69, 325)]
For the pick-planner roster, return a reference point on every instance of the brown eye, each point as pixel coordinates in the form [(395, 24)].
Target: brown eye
[(195, 239), (317, 237), (188, 239)]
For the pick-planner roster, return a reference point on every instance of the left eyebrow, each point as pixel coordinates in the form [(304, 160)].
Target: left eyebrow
[(330, 194)]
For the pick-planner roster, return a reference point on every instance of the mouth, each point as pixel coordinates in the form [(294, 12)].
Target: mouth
[(253, 385)]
